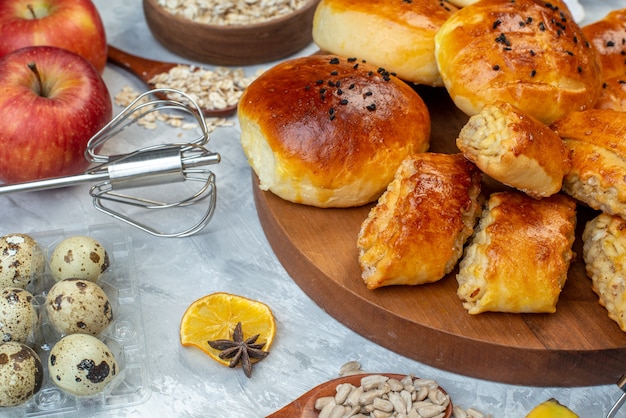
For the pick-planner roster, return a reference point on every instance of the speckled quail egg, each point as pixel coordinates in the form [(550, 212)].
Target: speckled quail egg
[(78, 257), (18, 316), (78, 306), (20, 258), (21, 373), (81, 364)]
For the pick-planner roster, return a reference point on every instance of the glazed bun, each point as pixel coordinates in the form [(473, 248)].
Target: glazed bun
[(595, 140), (330, 132), (542, 64), (462, 3), (613, 94), (396, 35), (608, 35)]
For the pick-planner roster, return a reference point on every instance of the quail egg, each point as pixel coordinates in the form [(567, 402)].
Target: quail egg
[(81, 364), (21, 373), (20, 258), (78, 306), (78, 257), (17, 314)]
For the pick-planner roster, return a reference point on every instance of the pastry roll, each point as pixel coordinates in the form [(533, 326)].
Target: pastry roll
[(595, 139), (416, 232), (515, 149), (604, 252), (519, 256)]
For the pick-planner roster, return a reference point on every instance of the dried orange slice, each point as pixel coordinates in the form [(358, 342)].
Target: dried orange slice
[(215, 316)]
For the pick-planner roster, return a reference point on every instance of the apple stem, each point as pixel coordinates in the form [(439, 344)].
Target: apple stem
[(32, 10), (33, 68)]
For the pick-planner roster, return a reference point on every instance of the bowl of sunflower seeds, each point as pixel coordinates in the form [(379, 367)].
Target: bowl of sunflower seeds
[(231, 32)]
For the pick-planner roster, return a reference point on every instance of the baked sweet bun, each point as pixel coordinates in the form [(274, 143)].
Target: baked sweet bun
[(529, 53), (416, 232), (462, 3), (396, 35), (518, 258), (608, 35), (613, 94), (328, 131), (516, 149), (604, 246), (595, 140)]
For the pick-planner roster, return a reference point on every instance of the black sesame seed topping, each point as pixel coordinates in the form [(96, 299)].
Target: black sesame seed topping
[(334, 73), (496, 67), (610, 43), (371, 107), (501, 39), (352, 59), (343, 102), (542, 26), (319, 82), (367, 94), (496, 24), (533, 73), (334, 60)]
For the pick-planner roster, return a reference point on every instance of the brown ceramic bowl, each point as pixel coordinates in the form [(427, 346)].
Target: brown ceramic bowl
[(228, 44)]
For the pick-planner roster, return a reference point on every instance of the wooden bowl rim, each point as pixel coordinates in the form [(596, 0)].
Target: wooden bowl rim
[(235, 28)]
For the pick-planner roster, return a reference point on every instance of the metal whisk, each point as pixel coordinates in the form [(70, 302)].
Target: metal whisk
[(145, 170)]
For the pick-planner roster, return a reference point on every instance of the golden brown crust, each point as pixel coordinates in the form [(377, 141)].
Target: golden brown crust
[(515, 149), (613, 94), (595, 140), (416, 232), (328, 131), (394, 34), (528, 53), (608, 35), (519, 256), (604, 246)]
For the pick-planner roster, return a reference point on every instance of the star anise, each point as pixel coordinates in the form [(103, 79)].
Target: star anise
[(240, 350)]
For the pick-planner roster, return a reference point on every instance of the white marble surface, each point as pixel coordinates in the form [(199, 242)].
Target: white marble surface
[(232, 255)]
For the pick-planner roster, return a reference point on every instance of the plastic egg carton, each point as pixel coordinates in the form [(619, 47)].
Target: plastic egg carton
[(124, 336)]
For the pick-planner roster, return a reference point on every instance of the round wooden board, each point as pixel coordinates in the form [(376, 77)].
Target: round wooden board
[(576, 346)]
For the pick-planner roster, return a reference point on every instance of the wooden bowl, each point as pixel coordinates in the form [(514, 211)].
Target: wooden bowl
[(231, 44)]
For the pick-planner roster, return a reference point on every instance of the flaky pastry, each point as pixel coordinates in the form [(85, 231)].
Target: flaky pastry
[(604, 252), (515, 149), (595, 140), (518, 258), (416, 232)]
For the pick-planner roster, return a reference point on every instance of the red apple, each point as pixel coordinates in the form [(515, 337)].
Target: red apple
[(52, 101), (71, 24)]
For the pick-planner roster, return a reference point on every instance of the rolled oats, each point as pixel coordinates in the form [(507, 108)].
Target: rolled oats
[(231, 12)]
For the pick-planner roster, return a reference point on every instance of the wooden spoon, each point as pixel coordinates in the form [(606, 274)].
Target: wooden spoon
[(304, 406), (147, 69)]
